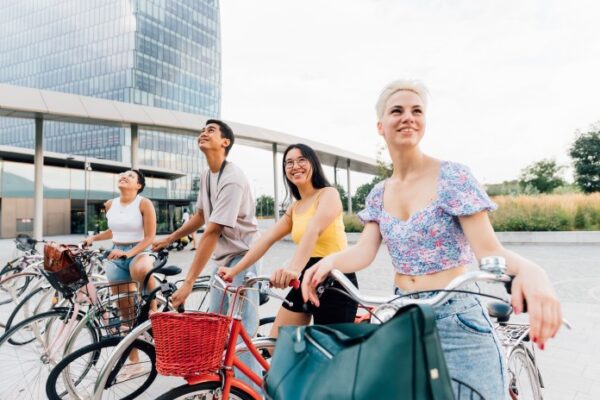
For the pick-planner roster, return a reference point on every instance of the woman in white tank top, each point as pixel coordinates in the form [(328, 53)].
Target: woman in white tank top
[(132, 228)]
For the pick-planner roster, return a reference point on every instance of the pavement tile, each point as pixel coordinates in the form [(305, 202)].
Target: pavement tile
[(570, 365)]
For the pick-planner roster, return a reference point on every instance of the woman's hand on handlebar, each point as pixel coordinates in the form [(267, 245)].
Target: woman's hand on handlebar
[(545, 316), (282, 278), (313, 277), (117, 254)]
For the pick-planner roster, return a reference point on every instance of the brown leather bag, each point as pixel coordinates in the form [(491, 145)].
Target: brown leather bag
[(62, 263)]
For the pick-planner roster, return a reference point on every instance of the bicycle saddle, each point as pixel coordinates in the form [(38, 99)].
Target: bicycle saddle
[(171, 270), (499, 310)]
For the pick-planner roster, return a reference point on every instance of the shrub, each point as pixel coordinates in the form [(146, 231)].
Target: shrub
[(352, 223), (547, 212), (579, 222)]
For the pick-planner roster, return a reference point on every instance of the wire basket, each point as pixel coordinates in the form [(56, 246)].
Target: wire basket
[(190, 343), (25, 242), (118, 308), (68, 280)]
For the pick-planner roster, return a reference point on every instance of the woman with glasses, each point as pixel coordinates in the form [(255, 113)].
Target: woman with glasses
[(315, 222)]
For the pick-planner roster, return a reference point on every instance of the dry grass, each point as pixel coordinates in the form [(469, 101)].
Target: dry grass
[(573, 211), (568, 202)]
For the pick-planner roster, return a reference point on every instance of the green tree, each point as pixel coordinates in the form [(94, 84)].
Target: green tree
[(385, 168), (542, 175), (265, 206), (585, 153), (359, 198)]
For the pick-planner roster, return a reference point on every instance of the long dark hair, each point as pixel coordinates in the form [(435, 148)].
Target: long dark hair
[(317, 179)]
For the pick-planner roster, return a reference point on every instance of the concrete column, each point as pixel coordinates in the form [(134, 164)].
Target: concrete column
[(335, 172), (275, 183), (86, 180), (349, 187), (134, 146), (38, 193)]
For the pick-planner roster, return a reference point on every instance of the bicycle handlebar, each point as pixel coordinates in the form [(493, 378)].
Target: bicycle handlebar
[(250, 282), (440, 298)]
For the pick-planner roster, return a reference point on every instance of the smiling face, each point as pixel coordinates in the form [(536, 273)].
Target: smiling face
[(298, 168), (403, 121), (210, 138), (129, 180)]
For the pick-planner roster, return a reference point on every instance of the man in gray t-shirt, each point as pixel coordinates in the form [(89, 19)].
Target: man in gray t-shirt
[(232, 208), (226, 206)]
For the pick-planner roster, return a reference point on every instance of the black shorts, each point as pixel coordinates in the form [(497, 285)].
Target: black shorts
[(335, 307)]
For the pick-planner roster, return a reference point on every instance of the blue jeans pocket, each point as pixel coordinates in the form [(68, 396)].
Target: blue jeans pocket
[(473, 321)]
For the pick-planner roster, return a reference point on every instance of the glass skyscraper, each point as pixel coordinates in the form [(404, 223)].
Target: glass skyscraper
[(161, 53)]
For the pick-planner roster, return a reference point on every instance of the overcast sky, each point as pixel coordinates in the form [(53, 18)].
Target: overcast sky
[(510, 81)]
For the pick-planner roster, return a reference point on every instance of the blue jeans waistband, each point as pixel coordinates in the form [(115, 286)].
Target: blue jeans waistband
[(459, 302)]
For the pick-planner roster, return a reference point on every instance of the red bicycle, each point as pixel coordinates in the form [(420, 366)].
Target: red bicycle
[(190, 345)]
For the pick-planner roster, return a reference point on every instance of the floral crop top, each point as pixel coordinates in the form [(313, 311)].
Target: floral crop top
[(431, 240)]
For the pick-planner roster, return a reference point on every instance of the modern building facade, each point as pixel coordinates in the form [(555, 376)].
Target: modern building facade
[(160, 53)]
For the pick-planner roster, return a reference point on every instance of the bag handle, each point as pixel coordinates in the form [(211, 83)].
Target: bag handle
[(436, 382), (345, 332)]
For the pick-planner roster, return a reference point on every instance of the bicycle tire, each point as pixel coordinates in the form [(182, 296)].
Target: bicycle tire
[(19, 287), (264, 329), (526, 386), (25, 368), (198, 300), (206, 388), (90, 358), (13, 319)]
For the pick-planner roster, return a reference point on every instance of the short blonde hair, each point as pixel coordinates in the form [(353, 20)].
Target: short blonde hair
[(412, 85)]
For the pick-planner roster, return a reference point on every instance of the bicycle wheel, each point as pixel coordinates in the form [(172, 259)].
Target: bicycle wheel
[(264, 326), (24, 368), (37, 301), (74, 377), (523, 375), (198, 299), (13, 286), (205, 391)]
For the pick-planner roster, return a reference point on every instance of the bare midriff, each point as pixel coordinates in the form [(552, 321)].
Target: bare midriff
[(435, 281)]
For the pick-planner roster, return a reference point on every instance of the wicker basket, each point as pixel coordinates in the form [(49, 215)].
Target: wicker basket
[(190, 343)]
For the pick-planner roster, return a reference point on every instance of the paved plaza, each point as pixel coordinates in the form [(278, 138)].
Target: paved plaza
[(569, 365)]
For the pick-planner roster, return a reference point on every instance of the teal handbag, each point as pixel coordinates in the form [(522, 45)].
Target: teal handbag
[(400, 359)]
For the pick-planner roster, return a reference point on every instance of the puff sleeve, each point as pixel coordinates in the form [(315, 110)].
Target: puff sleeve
[(461, 193), (373, 205)]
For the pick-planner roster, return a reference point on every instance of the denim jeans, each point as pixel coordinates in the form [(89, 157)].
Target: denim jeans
[(220, 304), (473, 353)]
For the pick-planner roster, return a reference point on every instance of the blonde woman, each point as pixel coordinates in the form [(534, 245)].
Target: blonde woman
[(433, 217)]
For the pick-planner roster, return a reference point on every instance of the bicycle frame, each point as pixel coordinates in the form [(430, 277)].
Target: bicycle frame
[(228, 379)]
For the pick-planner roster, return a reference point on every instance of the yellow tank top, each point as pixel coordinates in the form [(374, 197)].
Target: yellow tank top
[(331, 240)]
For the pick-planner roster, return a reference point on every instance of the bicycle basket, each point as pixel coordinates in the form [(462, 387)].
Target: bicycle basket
[(190, 343), (119, 307), (25, 242), (63, 269)]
